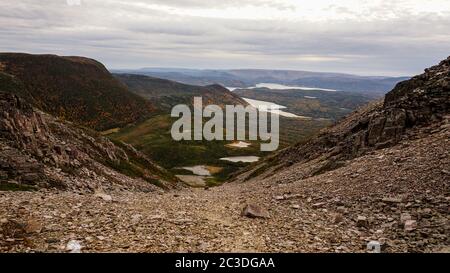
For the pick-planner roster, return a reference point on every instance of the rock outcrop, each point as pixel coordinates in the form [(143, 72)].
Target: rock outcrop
[(37, 150)]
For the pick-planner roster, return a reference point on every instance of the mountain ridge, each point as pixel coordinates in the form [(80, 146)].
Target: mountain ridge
[(75, 88), (243, 78), (166, 93)]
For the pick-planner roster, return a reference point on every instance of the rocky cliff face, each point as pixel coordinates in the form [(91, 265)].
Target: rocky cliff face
[(38, 151), (74, 88), (420, 101), (413, 104)]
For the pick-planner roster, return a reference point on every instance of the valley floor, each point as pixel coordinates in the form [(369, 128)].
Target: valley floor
[(370, 198)]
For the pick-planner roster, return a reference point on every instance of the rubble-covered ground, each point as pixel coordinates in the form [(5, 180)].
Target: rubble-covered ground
[(397, 196)]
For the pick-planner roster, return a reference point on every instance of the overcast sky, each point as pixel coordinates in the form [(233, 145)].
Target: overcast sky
[(368, 37)]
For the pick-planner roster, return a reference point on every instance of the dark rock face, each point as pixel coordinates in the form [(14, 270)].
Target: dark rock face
[(415, 103), (22, 169), (424, 98), (38, 150), (20, 129), (419, 101)]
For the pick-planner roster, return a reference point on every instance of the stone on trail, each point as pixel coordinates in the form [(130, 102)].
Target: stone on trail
[(33, 226), (279, 198), (338, 218), (319, 205), (254, 211), (405, 217), (410, 225), (101, 194), (74, 246), (135, 219), (362, 221)]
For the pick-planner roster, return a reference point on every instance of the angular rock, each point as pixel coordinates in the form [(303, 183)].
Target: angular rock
[(74, 246), (410, 225), (319, 205), (135, 219), (33, 226), (52, 241), (279, 198), (426, 213), (338, 218), (405, 217), (254, 211), (342, 210), (103, 195), (362, 222)]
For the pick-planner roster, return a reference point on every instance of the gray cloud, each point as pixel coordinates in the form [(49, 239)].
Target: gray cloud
[(131, 34), (218, 4)]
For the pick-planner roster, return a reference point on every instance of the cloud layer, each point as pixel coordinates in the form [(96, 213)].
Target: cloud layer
[(377, 37)]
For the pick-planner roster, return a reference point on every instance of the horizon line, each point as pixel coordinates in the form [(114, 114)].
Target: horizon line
[(261, 69)]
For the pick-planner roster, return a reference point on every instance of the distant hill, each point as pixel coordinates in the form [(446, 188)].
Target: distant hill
[(166, 94), (242, 78), (73, 88)]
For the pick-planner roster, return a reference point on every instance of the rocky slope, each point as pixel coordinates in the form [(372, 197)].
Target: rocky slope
[(74, 88), (39, 151), (422, 101), (388, 196)]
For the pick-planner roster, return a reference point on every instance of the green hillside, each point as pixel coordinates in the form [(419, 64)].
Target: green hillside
[(74, 88)]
